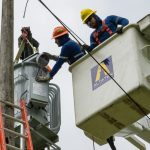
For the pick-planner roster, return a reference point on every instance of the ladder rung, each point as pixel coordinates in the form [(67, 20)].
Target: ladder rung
[(16, 133), (13, 118), (10, 104), (13, 147)]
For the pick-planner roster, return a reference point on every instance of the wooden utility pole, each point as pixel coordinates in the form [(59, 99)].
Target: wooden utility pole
[(6, 63)]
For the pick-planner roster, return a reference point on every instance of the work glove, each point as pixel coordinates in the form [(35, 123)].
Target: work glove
[(45, 69), (50, 56), (119, 30), (85, 47), (43, 78)]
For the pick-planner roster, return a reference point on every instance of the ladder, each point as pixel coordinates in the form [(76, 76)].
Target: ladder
[(24, 121)]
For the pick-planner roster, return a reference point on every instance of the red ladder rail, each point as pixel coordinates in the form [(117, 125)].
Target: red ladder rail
[(26, 125), (2, 134)]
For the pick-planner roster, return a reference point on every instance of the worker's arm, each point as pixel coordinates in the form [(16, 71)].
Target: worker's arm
[(116, 20), (56, 67), (35, 43), (61, 60), (122, 21), (93, 43), (51, 57)]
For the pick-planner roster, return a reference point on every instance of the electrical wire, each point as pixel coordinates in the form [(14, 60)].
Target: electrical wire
[(73, 34), (25, 9), (93, 144), (69, 30)]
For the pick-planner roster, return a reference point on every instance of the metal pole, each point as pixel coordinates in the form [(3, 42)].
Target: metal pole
[(6, 64)]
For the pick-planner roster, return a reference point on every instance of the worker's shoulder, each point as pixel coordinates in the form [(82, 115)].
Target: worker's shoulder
[(70, 43), (70, 46), (110, 17)]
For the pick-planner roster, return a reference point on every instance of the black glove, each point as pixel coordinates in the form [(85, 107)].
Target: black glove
[(54, 57), (86, 47), (50, 56), (44, 69), (119, 30)]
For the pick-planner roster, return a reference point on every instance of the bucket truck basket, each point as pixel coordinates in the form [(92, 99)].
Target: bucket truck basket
[(102, 108)]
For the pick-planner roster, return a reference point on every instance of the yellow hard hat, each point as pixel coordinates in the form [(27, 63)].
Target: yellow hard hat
[(86, 13)]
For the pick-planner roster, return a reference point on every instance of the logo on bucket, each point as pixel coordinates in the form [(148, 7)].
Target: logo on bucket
[(99, 76)]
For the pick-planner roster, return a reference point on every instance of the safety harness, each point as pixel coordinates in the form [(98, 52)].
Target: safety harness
[(105, 28), (21, 49)]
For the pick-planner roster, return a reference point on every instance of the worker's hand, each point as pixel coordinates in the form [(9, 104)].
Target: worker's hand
[(24, 37), (119, 30), (85, 47)]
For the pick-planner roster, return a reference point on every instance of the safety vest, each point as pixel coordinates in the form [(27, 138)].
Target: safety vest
[(105, 28)]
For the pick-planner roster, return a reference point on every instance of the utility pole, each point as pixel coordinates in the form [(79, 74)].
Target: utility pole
[(6, 64)]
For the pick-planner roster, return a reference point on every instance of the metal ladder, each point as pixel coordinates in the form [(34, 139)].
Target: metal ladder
[(24, 121)]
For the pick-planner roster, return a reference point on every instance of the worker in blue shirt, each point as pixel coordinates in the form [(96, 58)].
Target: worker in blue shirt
[(103, 28), (70, 51)]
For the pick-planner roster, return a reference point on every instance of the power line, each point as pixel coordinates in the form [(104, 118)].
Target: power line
[(25, 9), (93, 143), (75, 36)]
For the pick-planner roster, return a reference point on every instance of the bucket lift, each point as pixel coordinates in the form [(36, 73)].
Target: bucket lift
[(102, 109), (42, 102)]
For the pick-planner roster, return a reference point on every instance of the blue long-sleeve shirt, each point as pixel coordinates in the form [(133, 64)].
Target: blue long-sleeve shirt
[(70, 52), (112, 22)]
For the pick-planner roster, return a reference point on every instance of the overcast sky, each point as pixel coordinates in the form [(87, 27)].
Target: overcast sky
[(42, 23)]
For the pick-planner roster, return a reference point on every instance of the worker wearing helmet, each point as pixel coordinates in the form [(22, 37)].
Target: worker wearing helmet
[(70, 51), (26, 36), (103, 28)]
